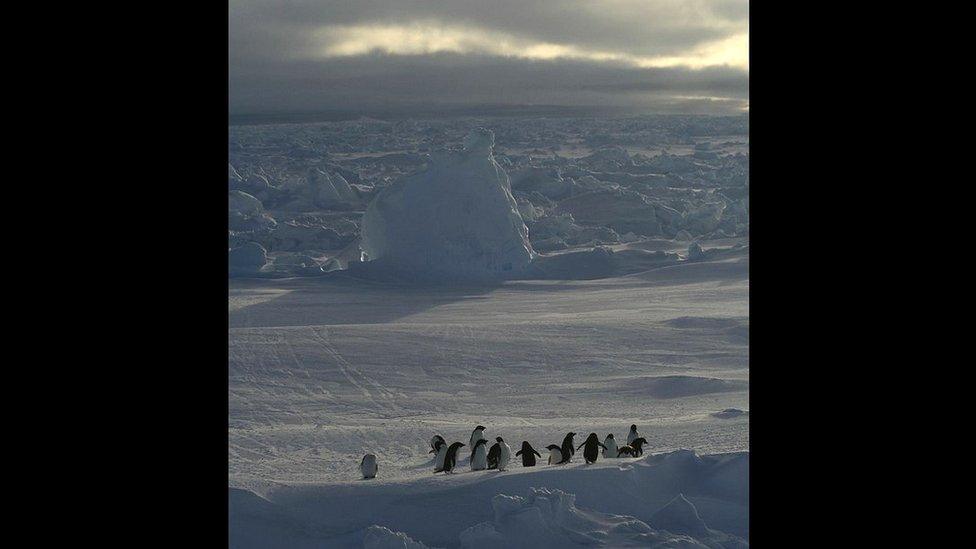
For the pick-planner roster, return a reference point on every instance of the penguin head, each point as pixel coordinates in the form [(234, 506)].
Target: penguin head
[(633, 427), (479, 428), (552, 447), (499, 439), (610, 436), (592, 437)]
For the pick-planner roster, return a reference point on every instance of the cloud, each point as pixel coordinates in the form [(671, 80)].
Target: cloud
[(322, 54), (428, 37)]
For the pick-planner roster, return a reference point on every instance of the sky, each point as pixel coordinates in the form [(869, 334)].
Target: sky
[(688, 56)]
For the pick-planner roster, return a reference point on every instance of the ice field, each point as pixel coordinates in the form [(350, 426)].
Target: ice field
[(583, 292)]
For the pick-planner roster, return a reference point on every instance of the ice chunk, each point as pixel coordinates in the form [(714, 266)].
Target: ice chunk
[(379, 537), (247, 259), (457, 219)]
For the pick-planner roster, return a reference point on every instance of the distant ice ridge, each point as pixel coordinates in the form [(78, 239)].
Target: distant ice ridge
[(456, 220)]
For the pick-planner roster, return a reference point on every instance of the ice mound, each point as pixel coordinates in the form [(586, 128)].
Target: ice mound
[(682, 386), (730, 413), (549, 518), (456, 220), (246, 260), (378, 537), (239, 201)]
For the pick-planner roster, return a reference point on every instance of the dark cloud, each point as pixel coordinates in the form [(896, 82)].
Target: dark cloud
[(271, 67)]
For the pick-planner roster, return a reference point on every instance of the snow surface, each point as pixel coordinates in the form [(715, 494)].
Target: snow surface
[(634, 310), (323, 371)]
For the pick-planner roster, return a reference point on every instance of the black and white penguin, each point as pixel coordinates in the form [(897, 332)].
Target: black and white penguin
[(441, 454), (567, 449), (626, 450), (555, 454), (638, 446), (434, 443), (478, 433), (479, 456), (493, 453), (610, 450), (632, 434), (506, 454), (592, 448), (528, 454), (368, 466), (450, 457)]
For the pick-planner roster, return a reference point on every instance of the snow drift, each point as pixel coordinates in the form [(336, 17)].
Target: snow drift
[(549, 518), (457, 219), (676, 499)]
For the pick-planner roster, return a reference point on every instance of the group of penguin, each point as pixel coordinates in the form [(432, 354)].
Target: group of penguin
[(500, 453)]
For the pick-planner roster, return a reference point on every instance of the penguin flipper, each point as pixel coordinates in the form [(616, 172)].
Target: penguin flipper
[(517, 454)]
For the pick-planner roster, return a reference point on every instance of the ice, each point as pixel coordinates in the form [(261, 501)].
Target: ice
[(650, 501), (577, 182), (378, 537), (456, 220), (248, 259), (616, 319)]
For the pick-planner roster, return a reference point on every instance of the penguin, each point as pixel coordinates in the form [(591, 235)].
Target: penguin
[(528, 454), (506, 454), (478, 433), (441, 454), (610, 450), (479, 456), (632, 434), (638, 446), (368, 466), (450, 457), (626, 450), (567, 449), (592, 444), (493, 454), (555, 454), (434, 443)]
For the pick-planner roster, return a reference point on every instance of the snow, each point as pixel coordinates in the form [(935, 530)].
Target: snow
[(651, 501), (455, 220), (324, 371), (609, 327)]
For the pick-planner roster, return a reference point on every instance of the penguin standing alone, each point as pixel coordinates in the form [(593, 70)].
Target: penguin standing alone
[(441, 450), (555, 454), (632, 434), (567, 449), (506, 454), (479, 456), (368, 466), (610, 450), (592, 446), (450, 457), (528, 454)]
